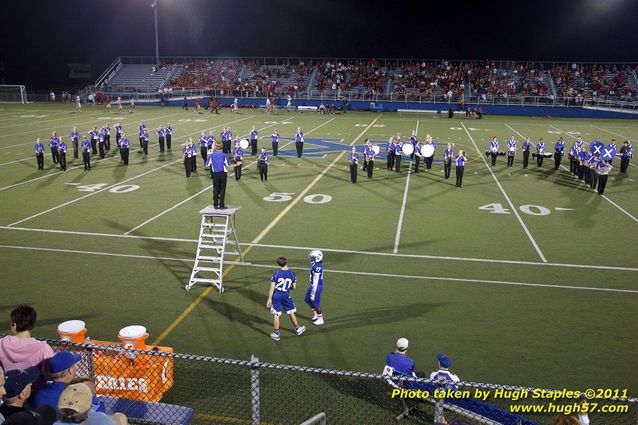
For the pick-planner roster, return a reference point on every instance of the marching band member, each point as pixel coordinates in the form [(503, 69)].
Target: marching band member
[(141, 129), (493, 150), (263, 165), (107, 137), (428, 159), (417, 156), (118, 133), (274, 138), (299, 142), (62, 154), (53, 145), (370, 161), (413, 142), (593, 176), (211, 142), (203, 145), (144, 138), (100, 143), (93, 139), (398, 154), (353, 160), (168, 131), (238, 156), (389, 151), (626, 152), (614, 147), (602, 169), (583, 170), (75, 141), (39, 153), (160, 137), (540, 150), (124, 148), (460, 168), (448, 155), (223, 136), (527, 146), (579, 143), (254, 135), (511, 151), (367, 147), (559, 148), (188, 153), (86, 153), (573, 159)]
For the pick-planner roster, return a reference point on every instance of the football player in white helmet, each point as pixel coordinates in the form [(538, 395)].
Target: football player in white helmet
[(313, 295)]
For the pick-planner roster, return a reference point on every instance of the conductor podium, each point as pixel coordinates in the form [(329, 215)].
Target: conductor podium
[(216, 234)]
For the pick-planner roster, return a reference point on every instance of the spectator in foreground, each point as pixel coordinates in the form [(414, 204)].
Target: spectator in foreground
[(566, 420), (443, 373), (75, 407), (20, 350), (43, 416), (3, 392), (17, 390), (63, 370), (400, 363)]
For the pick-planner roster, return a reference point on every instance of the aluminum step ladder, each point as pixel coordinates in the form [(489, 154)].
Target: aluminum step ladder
[(216, 233)]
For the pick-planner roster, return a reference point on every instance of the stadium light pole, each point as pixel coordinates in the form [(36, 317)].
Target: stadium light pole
[(154, 6)]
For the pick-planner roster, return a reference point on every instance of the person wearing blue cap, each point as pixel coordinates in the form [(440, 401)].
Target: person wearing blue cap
[(63, 370), (444, 374), (17, 386)]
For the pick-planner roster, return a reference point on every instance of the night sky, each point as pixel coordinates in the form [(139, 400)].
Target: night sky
[(39, 38)]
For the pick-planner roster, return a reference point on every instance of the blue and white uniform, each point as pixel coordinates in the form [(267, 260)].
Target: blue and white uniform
[(39, 154), (274, 138), (313, 295), (299, 143), (281, 297), (53, 144)]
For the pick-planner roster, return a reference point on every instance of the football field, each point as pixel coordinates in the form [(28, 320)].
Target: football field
[(522, 277)]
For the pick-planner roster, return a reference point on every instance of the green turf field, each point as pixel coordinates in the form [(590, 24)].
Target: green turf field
[(542, 294)]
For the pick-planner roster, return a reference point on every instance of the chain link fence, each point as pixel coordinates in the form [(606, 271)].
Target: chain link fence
[(161, 387)]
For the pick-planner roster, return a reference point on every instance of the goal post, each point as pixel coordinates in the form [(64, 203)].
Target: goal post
[(13, 94)]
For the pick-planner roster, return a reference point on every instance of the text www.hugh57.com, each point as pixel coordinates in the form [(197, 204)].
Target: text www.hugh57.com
[(568, 409)]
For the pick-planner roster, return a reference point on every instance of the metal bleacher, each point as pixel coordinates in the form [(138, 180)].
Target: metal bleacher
[(140, 77)]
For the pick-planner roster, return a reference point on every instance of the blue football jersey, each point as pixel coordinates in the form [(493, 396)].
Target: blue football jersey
[(283, 280)]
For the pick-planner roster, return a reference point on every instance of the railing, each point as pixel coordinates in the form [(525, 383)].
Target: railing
[(108, 73), (218, 390)]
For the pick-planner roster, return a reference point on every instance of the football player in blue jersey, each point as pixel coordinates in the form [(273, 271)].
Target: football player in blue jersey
[(313, 295), (279, 298)]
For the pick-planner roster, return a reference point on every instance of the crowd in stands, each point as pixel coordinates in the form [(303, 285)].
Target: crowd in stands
[(41, 387), (450, 80)]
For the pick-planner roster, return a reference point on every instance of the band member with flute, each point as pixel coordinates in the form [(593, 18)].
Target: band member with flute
[(460, 168), (540, 150), (511, 151), (559, 148), (493, 150), (353, 159)]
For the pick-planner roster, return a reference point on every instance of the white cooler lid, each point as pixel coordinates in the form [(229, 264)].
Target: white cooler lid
[(71, 326), (132, 332)]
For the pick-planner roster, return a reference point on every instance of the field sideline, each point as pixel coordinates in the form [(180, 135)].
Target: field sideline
[(522, 277)]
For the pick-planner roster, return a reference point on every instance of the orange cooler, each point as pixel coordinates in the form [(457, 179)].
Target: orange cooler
[(72, 330)]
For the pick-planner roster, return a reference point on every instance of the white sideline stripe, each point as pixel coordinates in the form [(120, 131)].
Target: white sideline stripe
[(75, 167), (19, 160), (604, 196), (507, 198), (92, 193), (397, 238), (336, 250), (190, 197), (388, 275), (620, 135)]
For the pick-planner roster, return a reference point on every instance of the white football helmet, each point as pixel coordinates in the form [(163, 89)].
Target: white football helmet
[(315, 256)]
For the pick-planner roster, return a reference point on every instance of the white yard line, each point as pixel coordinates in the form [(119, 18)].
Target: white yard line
[(335, 250), (621, 209), (507, 198), (209, 187), (397, 238), (348, 272)]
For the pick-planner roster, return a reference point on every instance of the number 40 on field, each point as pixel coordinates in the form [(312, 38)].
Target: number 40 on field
[(498, 208)]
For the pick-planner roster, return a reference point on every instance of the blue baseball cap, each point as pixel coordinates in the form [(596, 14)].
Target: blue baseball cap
[(444, 360), (63, 360), (17, 380)]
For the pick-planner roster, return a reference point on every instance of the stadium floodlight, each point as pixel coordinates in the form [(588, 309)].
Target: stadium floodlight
[(154, 6), (13, 94)]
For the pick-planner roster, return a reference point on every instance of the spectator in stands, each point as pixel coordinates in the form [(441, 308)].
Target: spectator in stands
[(18, 389), (443, 373), (63, 370), (20, 350), (75, 406)]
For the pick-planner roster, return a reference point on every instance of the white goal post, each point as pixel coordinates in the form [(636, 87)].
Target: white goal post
[(13, 94)]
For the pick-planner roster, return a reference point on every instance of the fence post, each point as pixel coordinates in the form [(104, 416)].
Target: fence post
[(438, 405), (254, 388)]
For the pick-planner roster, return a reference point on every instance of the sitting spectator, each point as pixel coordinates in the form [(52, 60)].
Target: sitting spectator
[(18, 389), (43, 416), (399, 361), (62, 371), (20, 351), (75, 407), (444, 374), (3, 392), (98, 405)]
